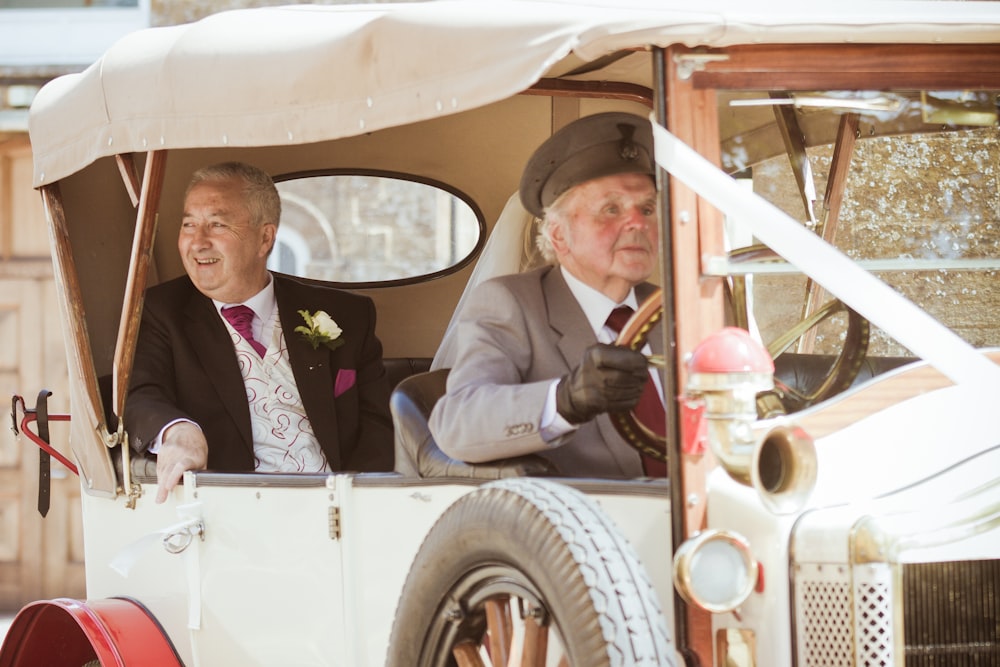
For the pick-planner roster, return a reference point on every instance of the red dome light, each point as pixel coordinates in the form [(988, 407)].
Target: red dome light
[(730, 350)]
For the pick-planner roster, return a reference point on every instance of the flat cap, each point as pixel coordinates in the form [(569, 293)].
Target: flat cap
[(588, 148)]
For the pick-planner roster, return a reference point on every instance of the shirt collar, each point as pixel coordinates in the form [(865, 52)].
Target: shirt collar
[(596, 305), (261, 303)]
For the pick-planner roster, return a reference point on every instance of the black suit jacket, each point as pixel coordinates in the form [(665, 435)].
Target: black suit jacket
[(186, 367)]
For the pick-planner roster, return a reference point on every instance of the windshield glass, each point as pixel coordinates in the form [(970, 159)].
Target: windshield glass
[(905, 183)]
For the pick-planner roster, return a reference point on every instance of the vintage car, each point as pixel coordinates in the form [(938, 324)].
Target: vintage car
[(830, 207)]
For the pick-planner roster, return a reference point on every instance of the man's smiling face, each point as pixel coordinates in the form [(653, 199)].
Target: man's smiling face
[(223, 252)]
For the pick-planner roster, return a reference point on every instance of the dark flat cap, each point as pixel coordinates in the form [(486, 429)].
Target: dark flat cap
[(588, 148)]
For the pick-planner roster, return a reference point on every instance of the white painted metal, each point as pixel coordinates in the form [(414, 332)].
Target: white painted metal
[(268, 585)]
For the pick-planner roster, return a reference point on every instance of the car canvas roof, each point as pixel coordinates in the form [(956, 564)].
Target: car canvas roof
[(336, 71)]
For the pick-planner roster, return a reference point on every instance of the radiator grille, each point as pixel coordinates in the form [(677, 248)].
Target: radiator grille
[(823, 603), (874, 623), (951, 614)]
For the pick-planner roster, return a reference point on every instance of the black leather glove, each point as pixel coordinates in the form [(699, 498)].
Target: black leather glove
[(609, 379)]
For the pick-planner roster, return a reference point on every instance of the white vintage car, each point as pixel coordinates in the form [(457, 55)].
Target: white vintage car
[(830, 182)]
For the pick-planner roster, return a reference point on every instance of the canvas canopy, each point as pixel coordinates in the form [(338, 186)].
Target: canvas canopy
[(301, 74)]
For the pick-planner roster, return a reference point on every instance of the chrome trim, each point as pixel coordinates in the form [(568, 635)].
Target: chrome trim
[(684, 561), (879, 539)]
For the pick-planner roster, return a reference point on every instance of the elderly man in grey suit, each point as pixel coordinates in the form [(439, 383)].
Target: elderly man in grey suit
[(535, 371)]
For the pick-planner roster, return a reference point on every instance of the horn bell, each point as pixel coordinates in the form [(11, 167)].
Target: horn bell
[(783, 469)]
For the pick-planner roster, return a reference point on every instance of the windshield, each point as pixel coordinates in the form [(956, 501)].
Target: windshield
[(903, 183)]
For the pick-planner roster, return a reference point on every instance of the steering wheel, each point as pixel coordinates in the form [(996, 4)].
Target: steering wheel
[(845, 367), (840, 376), (634, 336)]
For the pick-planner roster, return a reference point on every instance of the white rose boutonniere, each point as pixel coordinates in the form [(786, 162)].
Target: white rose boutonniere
[(320, 329)]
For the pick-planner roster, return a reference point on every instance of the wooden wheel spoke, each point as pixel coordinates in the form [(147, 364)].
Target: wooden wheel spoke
[(499, 626), (466, 654), (536, 643)]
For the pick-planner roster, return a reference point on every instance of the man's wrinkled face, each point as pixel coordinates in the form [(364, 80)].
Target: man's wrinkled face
[(607, 234), (223, 252)]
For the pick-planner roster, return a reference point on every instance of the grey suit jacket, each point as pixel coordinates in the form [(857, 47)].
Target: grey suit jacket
[(516, 335)]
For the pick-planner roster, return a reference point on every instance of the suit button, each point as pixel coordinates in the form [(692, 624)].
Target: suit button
[(519, 429)]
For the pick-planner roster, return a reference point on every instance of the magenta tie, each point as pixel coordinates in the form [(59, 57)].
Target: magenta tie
[(241, 317), (649, 409)]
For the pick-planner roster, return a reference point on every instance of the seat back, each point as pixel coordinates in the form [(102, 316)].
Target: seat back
[(398, 369), (417, 454), (806, 371), (510, 248)]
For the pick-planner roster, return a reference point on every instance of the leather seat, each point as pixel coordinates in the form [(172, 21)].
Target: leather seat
[(417, 454)]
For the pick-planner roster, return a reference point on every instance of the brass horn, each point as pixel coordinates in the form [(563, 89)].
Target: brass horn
[(783, 469)]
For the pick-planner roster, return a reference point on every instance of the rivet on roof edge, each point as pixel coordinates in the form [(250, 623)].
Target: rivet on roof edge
[(439, 105), (454, 103), (225, 140), (361, 123), (110, 140), (370, 102), (290, 135)]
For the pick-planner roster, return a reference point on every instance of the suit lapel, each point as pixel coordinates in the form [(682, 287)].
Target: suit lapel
[(313, 370), (566, 318), (209, 339)]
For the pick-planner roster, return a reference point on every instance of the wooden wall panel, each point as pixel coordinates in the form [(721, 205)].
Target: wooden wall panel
[(29, 234), (39, 557)]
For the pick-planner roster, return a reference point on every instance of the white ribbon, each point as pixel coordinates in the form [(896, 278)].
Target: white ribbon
[(181, 537)]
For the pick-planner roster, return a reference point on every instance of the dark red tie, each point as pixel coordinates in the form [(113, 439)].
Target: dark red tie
[(650, 408), (241, 317)]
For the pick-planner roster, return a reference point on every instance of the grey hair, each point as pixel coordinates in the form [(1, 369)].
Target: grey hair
[(555, 214), (260, 194)]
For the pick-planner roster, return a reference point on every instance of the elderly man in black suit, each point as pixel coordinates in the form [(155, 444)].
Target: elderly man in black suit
[(241, 369)]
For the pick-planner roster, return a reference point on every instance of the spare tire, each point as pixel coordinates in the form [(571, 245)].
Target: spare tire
[(532, 566)]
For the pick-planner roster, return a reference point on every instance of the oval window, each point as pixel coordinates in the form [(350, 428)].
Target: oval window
[(371, 229)]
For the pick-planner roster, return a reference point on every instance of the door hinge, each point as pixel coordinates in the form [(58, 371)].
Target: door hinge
[(334, 519)]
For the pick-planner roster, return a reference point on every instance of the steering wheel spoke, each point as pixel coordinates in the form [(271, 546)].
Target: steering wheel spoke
[(845, 366)]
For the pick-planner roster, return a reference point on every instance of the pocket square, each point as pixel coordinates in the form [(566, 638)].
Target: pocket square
[(345, 380)]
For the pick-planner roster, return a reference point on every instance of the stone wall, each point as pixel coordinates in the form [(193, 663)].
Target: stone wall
[(933, 196), (174, 12)]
